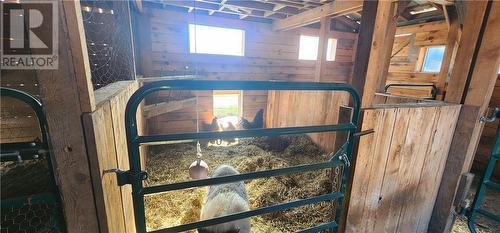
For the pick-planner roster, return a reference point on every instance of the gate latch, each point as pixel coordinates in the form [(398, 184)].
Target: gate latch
[(126, 177), (343, 157)]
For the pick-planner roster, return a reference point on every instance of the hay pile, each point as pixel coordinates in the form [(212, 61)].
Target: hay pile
[(169, 163)]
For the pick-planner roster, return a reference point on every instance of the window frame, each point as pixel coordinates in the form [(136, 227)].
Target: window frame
[(332, 52), (243, 40), (228, 92), (423, 56)]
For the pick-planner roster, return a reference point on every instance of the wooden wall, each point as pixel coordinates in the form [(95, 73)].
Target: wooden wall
[(488, 138), (269, 55), (107, 149), (306, 108), (407, 56), (399, 167)]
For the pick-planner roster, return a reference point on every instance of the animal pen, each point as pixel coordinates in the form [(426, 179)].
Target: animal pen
[(344, 115)]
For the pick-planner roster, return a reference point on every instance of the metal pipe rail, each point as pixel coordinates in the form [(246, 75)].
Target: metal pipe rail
[(433, 88), (135, 175)]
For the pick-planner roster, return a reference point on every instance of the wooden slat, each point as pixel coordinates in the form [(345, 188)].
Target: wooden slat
[(162, 108), (323, 44), (335, 8), (101, 146)]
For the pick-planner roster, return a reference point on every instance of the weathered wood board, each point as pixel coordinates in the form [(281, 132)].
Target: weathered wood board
[(399, 167)]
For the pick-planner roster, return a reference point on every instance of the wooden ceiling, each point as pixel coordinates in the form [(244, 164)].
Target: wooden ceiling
[(416, 11)]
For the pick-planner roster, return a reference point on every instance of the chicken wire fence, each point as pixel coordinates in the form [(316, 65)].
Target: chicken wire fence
[(40, 213), (109, 41)]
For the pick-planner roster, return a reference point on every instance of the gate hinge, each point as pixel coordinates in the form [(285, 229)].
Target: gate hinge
[(127, 177)]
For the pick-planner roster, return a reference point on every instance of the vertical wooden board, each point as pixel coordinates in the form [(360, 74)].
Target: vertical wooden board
[(118, 105), (363, 170), (419, 134), (434, 164), (390, 199), (385, 126), (101, 148)]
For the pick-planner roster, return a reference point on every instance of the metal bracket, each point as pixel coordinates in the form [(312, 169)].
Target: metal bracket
[(363, 133), (126, 177)]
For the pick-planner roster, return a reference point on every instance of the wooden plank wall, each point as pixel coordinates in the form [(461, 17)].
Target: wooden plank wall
[(399, 167), (269, 55), (406, 56), (18, 122), (305, 108), (488, 138), (107, 148)]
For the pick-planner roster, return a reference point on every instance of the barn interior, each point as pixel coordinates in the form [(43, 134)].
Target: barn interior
[(426, 73)]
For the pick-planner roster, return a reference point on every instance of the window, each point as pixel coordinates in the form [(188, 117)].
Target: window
[(308, 48), (227, 106), (433, 59), (216, 40), (331, 49)]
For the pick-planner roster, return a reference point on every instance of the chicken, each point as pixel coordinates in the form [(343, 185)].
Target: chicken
[(258, 121), (214, 126)]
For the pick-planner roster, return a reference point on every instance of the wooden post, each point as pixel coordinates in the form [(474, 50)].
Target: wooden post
[(66, 93), (466, 47), (324, 32), (370, 80), (450, 50), (481, 83)]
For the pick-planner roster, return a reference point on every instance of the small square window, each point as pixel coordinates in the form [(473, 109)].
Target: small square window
[(216, 40), (308, 47), (227, 104), (433, 59)]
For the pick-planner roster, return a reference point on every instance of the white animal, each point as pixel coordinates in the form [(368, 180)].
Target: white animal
[(226, 199)]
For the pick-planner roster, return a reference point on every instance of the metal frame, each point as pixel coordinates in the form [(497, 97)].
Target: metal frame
[(20, 151), (486, 181), (433, 88), (135, 175)]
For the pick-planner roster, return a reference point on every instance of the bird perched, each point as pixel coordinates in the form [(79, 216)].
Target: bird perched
[(258, 121)]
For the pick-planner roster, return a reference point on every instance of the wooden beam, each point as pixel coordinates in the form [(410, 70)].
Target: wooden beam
[(423, 27), (144, 41), (380, 52), (324, 33), (450, 50), (333, 9), (161, 108), (482, 80), (465, 51), (62, 93)]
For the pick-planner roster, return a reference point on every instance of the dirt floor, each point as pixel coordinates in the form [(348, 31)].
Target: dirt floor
[(169, 163), (484, 225)]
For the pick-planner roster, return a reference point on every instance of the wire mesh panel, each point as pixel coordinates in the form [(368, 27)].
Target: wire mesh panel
[(39, 213), (109, 41)]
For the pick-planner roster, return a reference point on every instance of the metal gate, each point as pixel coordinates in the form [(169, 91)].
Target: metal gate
[(486, 181), (135, 175), (40, 212)]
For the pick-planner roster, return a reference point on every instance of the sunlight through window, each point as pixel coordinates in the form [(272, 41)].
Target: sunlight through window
[(227, 107), (308, 47), (433, 59), (331, 49), (216, 40)]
